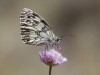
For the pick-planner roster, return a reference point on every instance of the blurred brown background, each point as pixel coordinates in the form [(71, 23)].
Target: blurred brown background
[(78, 17)]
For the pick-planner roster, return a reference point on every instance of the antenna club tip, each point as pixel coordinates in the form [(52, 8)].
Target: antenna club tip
[(72, 35)]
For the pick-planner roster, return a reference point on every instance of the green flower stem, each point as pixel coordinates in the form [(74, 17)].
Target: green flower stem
[(50, 68)]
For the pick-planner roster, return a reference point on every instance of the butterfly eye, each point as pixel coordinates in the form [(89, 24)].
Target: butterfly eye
[(58, 39)]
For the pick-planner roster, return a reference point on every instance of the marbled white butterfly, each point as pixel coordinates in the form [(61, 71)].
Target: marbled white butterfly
[(35, 30)]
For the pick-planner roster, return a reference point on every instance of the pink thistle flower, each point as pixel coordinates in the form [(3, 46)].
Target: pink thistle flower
[(51, 57)]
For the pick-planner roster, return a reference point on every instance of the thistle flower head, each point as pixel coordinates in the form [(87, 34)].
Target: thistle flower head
[(51, 57)]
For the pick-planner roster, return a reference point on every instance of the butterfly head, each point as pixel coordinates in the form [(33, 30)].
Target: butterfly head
[(58, 39)]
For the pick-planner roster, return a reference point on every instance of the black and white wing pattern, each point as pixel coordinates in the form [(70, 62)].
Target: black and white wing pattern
[(34, 29)]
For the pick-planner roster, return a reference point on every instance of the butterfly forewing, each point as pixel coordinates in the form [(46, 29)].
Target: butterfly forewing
[(34, 29)]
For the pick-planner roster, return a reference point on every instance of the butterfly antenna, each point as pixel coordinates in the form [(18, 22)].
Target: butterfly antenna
[(67, 36)]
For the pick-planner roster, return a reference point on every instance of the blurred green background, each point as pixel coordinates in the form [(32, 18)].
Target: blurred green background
[(78, 17)]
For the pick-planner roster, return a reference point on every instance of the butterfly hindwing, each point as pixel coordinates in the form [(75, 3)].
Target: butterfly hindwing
[(34, 29)]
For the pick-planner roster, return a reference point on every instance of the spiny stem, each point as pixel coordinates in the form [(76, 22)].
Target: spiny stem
[(50, 68)]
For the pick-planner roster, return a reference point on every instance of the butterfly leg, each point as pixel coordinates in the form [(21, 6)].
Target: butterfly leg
[(49, 46), (56, 46), (46, 47)]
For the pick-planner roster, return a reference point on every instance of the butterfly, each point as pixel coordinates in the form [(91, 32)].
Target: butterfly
[(35, 30)]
